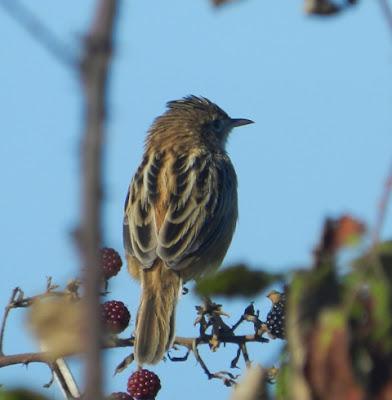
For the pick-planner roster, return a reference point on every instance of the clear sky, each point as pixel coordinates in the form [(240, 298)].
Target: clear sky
[(320, 91)]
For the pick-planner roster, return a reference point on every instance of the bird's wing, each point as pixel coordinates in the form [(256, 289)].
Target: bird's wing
[(197, 207), (139, 226), (175, 221)]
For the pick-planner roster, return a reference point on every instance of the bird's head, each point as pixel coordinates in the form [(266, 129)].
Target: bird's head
[(195, 119)]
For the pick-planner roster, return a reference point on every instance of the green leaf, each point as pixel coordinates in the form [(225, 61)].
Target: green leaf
[(235, 281), (383, 251), (331, 320), (380, 292), (20, 394)]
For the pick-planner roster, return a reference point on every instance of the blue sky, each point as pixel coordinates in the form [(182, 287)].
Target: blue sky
[(319, 91)]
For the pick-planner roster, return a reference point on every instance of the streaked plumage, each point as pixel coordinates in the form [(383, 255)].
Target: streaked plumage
[(180, 213)]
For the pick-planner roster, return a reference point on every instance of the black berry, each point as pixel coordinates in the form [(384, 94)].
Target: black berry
[(276, 317)]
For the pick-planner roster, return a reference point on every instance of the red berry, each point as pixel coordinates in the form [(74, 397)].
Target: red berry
[(111, 262), (143, 385), (119, 396), (115, 316)]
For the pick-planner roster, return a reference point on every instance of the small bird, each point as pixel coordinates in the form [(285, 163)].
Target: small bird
[(180, 213)]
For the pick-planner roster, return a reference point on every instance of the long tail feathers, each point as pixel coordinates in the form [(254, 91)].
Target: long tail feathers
[(155, 327)]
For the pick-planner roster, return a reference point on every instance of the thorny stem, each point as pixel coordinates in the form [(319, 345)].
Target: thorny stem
[(221, 333), (7, 310)]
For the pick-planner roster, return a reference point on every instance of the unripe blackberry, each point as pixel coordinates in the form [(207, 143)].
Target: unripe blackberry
[(143, 385), (111, 262), (276, 317), (115, 316), (119, 396)]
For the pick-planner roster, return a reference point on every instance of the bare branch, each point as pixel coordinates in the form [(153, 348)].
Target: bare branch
[(210, 317), (387, 12), (245, 354), (41, 33), (16, 292), (94, 76), (383, 205), (116, 342), (26, 358)]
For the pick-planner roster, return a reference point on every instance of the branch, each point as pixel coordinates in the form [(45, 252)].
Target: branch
[(15, 294), (26, 358), (116, 342), (387, 12), (240, 340), (94, 68), (383, 205), (41, 33), (209, 318)]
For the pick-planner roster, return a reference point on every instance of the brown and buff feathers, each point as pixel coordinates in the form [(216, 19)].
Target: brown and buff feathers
[(180, 214)]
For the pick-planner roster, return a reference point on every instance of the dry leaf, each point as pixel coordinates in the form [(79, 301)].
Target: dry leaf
[(57, 323), (321, 7), (252, 385), (329, 367), (348, 231)]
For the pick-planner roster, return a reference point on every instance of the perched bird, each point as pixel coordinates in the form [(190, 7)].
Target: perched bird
[(180, 213)]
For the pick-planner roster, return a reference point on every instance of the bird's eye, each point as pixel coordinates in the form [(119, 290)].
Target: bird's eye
[(217, 125)]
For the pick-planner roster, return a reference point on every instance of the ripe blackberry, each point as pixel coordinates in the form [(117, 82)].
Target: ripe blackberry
[(115, 316), (276, 317), (143, 385), (119, 396), (111, 262)]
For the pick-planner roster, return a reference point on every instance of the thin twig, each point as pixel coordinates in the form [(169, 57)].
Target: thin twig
[(220, 333), (41, 33), (94, 70), (238, 323), (63, 375), (116, 342), (245, 354), (7, 310), (200, 360), (239, 339), (26, 358), (383, 205), (179, 359), (387, 12), (235, 360)]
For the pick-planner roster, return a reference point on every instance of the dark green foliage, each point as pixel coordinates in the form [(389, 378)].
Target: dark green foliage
[(20, 394), (237, 280)]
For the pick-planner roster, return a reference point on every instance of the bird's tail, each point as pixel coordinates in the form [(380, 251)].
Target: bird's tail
[(156, 315)]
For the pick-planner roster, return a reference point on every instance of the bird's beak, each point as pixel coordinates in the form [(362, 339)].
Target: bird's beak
[(234, 122)]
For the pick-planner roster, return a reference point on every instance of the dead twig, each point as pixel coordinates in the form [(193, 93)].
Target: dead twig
[(40, 32), (387, 12), (17, 292), (384, 200)]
